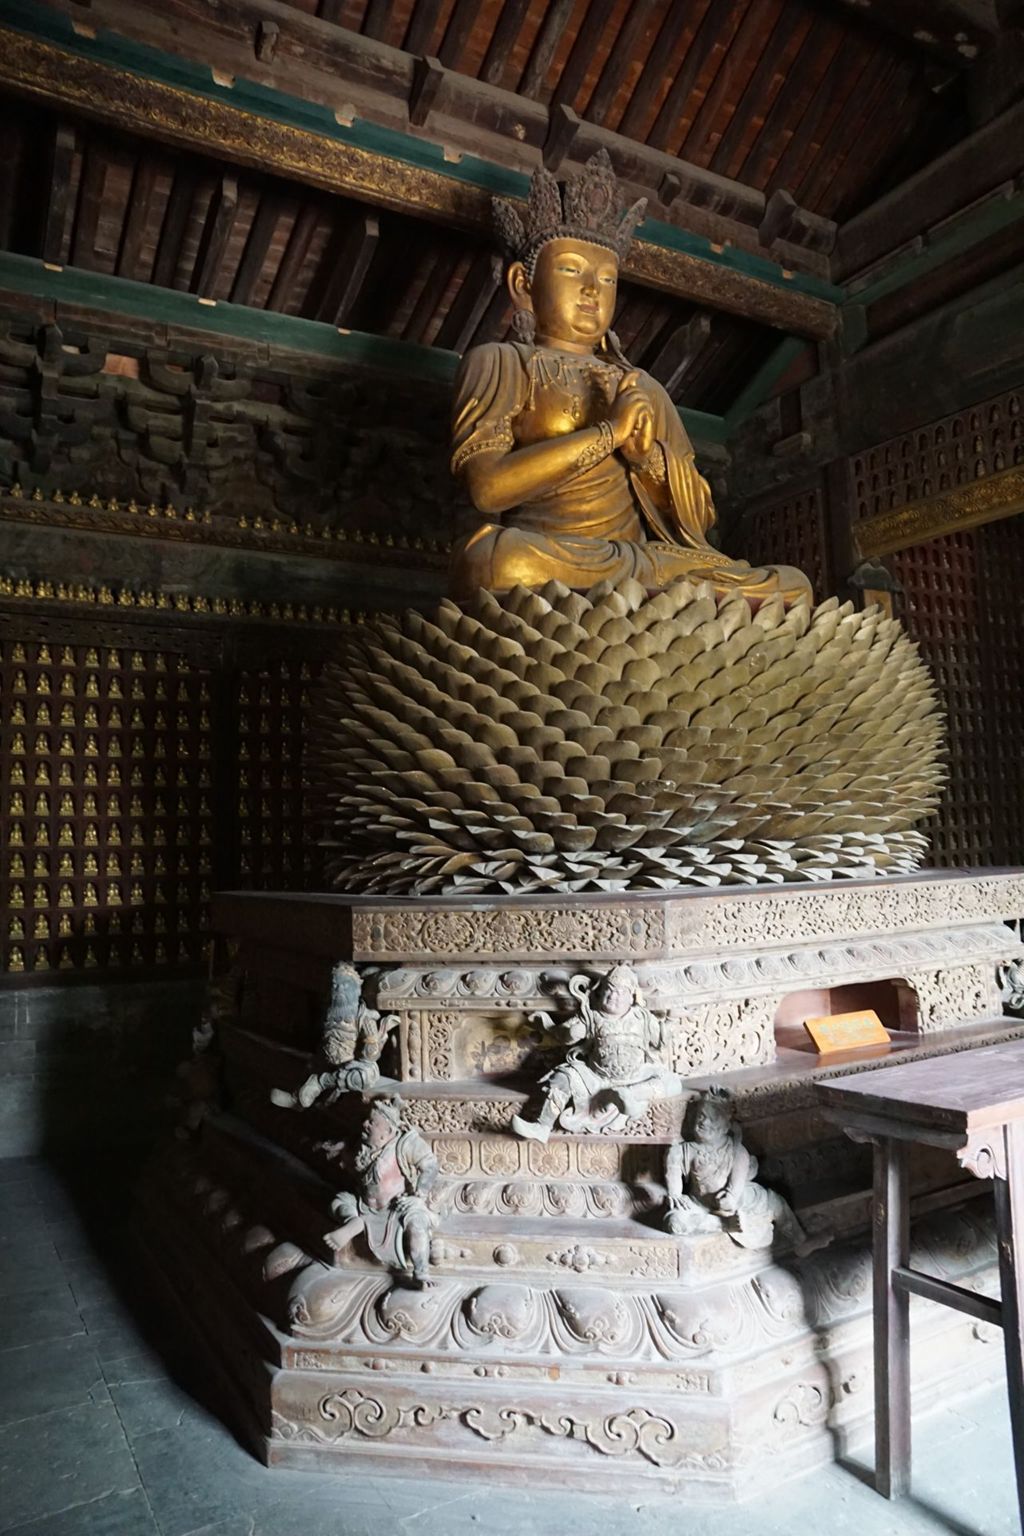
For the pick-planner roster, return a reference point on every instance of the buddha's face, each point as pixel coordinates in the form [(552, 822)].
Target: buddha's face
[(572, 292)]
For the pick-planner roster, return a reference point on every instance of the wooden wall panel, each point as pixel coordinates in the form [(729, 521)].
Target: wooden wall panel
[(961, 601)]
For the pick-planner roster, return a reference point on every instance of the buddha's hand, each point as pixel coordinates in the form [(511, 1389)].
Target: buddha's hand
[(632, 419)]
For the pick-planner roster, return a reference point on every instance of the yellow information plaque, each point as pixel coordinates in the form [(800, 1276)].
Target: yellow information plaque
[(847, 1031)]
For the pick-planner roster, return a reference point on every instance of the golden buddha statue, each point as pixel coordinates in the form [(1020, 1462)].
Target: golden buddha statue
[(579, 463)]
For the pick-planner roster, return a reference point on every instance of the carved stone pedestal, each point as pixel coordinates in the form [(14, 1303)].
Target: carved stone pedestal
[(562, 1329)]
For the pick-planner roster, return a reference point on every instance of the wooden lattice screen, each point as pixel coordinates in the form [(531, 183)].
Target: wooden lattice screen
[(142, 767), (961, 601), (787, 530)]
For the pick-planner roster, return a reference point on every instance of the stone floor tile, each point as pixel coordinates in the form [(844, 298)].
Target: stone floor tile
[(28, 1264), (38, 1378), (113, 1514), (146, 1406), (56, 1461), (36, 1316)]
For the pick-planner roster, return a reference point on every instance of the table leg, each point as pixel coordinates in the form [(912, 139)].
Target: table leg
[(1009, 1195), (892, 1320)]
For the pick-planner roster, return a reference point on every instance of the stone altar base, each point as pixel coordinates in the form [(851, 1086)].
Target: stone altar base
[(563, 1332)]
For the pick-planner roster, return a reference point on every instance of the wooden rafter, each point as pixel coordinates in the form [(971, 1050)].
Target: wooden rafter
[(178, 117)]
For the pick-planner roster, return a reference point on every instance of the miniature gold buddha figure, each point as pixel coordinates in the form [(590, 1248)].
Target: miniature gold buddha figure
[(578, 463)]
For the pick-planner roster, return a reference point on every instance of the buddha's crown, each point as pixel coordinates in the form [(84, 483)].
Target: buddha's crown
[(587, 207)]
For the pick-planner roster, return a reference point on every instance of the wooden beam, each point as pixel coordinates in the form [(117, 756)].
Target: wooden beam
[(480, 284), (429, 76), (555, 21), (421, 26), (282, 289), (794, 20), (581, 54), (87, 213), (740, 42), (375, 22), (718, 21), (62, 159), (496, 64), (257, 246), (639, 16), (431, 294), (220, 221), (457, 32), (136, 224), (965, 174), (565, 126), (652, 76), (680, 352), (172, 231), (324, 158), (819, 45), (351, 263)]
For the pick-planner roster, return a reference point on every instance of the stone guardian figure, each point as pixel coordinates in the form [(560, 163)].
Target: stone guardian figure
[(610, 1074)]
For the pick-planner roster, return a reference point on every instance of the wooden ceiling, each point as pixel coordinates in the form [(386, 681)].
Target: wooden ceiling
[(821, 98)]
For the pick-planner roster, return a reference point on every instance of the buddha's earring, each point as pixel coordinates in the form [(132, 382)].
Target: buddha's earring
[(524, 325)]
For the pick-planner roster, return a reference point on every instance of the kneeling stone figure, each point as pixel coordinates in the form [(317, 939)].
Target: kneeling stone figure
[(711, 1182)]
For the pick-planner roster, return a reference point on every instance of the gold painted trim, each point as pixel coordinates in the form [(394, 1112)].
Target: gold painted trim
[(967, 506), (256, 535), (76, 594), (177, 116)]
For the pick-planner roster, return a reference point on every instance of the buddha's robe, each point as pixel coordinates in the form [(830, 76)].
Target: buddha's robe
[(608, 521)]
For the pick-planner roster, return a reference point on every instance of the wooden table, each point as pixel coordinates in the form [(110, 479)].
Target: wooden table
[(973, 1103)]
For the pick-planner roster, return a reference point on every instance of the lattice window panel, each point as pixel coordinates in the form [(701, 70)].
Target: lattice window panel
[(275, 845), (789, 531), (956, 450), (961, 601), (106, 795)]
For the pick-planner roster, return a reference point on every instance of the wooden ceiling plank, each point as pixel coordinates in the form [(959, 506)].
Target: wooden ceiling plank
[(457, 32), (90, 200), (623, 50), (432, 292), (879, 114), (814, 55), (172, 231), (136, 224), (650, 332), (375, 22), (422, 24), (282, 289), (846, 119), (652, 76), (351, 260), (795, 153), (559, 14), (62, 159), (581, 55), (10, 157), (220, 219), (497, 58), (480, 284), (733, 63), (680, 352), (257, 246), (495, 322), (759, 86), (713, 24)]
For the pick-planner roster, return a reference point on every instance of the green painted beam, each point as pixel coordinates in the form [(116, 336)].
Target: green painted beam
[(117, 295), (991, 219), (146, 62)]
